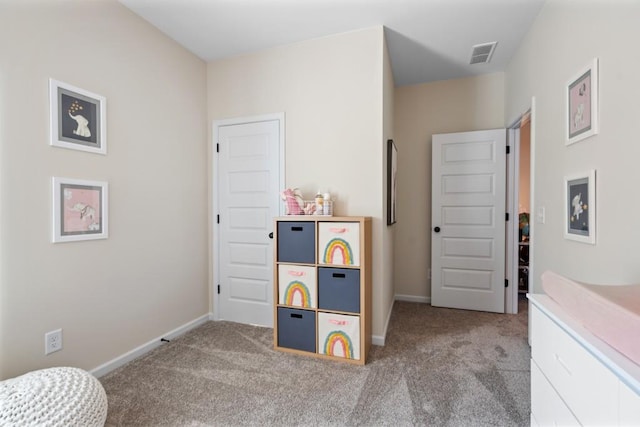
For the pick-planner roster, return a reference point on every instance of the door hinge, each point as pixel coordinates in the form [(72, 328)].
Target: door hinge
[(508, 149), (217, 148), (506, 216), (218, 219), (218, 289), (506, 284)]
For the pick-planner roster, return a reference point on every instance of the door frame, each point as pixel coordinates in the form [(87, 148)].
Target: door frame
[(215, 203), (513, 169)]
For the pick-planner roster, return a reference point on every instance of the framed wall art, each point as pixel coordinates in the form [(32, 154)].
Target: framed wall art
[(80, 210), (392, 173), (78, 118), (580, 207), (582, 104)]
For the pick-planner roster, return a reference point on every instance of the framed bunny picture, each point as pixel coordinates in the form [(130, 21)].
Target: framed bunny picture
[(78, 118), (582, 104), (580, 207)]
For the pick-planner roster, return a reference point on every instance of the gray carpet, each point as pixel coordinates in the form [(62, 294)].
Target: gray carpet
[(439, 367)]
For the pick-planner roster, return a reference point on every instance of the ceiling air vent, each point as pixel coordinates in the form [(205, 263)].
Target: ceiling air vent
[(481, 53)]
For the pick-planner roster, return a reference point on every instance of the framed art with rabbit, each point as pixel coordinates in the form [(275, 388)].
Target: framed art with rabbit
[(582, 104)]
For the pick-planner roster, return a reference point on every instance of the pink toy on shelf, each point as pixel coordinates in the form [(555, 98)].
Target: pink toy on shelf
[(293, 201)]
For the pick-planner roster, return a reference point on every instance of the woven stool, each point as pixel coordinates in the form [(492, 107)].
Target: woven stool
[(53, 397)]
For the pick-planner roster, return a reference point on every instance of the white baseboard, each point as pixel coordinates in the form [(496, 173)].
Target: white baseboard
[(377, 340), (413, 298), (380, 339), (145, 348)]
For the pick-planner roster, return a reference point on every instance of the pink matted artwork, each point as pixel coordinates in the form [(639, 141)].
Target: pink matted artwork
[(580, 105), (81, 209), (581, 94)]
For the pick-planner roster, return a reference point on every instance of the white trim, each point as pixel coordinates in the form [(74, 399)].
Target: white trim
[(113, 364), (413, 298), (533, 213), (215, 253), (513, 191), (378, 340)]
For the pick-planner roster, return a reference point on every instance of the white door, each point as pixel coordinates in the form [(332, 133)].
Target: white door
[(248, 186), (468, 220)]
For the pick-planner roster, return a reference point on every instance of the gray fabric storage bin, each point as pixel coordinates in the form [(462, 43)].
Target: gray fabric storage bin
[(339, 289), (297, 242), (297, 329)]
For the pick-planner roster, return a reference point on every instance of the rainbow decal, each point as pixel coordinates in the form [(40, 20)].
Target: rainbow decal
[(335, 339), (294, 289), (340, 246)]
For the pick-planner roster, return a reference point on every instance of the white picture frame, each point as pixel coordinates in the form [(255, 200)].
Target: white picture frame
[(581, 97), (80, 210), (78, 118), (580, 207)]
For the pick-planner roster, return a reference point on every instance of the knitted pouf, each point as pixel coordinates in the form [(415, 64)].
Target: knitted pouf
[(53, 397)]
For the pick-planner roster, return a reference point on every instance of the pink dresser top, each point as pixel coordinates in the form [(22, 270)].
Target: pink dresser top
[(610, 312)]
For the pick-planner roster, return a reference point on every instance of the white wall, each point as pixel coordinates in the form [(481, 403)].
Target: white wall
[(331, 91), (388, 249), (420, 111), (563, 40), (150, 275)]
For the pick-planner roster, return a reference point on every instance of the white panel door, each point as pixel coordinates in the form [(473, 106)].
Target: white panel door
[(248, 200), (468, 220)]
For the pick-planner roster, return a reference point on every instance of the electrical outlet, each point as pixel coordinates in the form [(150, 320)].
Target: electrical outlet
[(52, 341)]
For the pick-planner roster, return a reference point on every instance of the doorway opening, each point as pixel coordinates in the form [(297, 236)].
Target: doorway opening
[(519, 247)]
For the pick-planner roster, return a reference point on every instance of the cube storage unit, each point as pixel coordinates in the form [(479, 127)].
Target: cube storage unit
[(322, 286)]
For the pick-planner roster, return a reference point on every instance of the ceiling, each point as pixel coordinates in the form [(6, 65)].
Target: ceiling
[(428, 40)]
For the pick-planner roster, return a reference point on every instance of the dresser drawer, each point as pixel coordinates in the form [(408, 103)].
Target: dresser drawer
[(588, 388), (339, 243), (547, 408), (629, 406), (297, 285)]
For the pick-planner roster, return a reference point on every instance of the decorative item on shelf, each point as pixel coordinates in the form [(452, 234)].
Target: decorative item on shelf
[(309, 208), (293, 201), (319, 200), (327, 205)]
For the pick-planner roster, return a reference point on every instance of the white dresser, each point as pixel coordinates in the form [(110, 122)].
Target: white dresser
[(576, 378)]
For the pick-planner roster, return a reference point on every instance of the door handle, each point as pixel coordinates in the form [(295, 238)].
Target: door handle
[(436, 229), (271, 235)]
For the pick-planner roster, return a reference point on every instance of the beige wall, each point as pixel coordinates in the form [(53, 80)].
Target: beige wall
[(150, 275), (563, 40), (420, 111), (331, 91)]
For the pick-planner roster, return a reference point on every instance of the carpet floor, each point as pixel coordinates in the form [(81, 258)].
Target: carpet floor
[(439, 367)]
